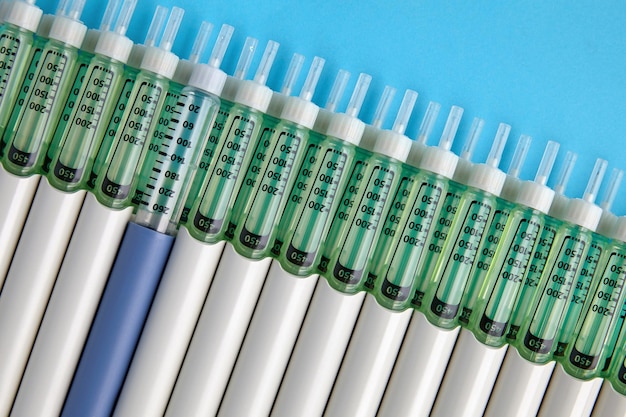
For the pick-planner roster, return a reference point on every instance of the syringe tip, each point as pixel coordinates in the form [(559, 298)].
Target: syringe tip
[(312, 78), (595, 180), (493, 159), (158, 20), (221, 44), (171, 29), (428, 122), (128, 8), (202, 38), (452, 125), (245, 59), (404, 113), (472, 139), (358, 95), (519, 156), (611, 190), (383, 106), (337, 90), (547, 162), (109, 15), (292, 74), (266, 62), (566, 172)]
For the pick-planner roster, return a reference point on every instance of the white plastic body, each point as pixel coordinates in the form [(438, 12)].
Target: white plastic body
[(70, 311), (169, 327), (318, 352), (467, 384), (17, 194), (268, 344), (29, 282), (218, 335), (368, 362), (569, 397), (609, 403), (419, 369), (519, 387)]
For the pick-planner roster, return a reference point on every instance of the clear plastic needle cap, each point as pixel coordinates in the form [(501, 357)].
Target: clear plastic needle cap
[(452, 125), (495, 155), (312, 78), (565, 173), (267, 60), (337, 90), (472, 139), (611, 191), (428, 122), (519, 156), (358, 95), (245, 59), (591, 192), (295, 66), (383, 106), (404, 113), (547, 162)]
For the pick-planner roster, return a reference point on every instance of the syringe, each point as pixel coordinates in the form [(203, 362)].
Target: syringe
[(475, 212), (226, 102), (144, 250), (496, 230), (471, 360), (184, 284), (283, 302), (414, 207), (31, 126), (263, 195), (210, 213), (544, 315), (364, 202), (616, 374), (138, 123)]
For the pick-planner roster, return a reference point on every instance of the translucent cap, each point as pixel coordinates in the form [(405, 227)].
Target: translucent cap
[(428, 122), (295, 66), (495, 155), (611, 190), (452, 125), (358, 95), (472, 139), (337, 90), (108, 17), (199, 44), (404, 113), (171, 29), (383, 107), (591, 192), (158, 20), (565, 173), (547, 162), (266, 63), (69, 8), (312, 78), (519, 156), (245, 59)]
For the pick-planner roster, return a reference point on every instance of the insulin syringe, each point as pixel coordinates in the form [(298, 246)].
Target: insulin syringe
[(144, 250), (283, 302)]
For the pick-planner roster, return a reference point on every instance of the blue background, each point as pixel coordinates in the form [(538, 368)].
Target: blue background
[(553, 70)]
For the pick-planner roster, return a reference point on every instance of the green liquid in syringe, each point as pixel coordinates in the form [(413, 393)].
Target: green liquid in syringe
[(311, 202), (236, 135), (591, 342)]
